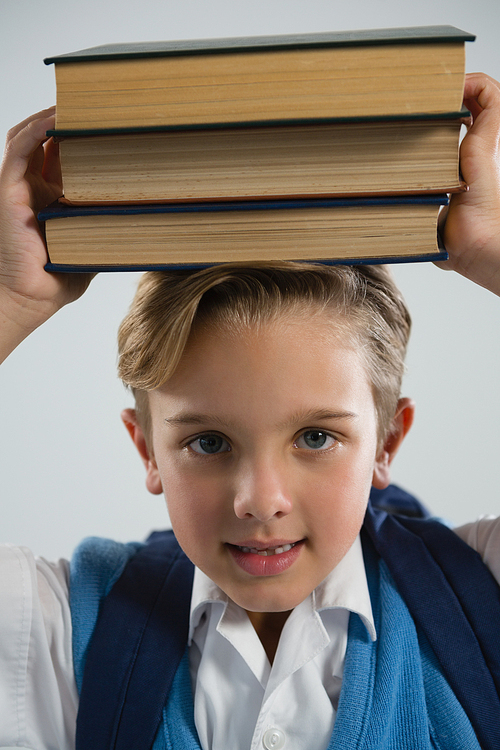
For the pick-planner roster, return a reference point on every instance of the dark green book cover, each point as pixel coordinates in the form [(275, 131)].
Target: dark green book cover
[(408, 35)]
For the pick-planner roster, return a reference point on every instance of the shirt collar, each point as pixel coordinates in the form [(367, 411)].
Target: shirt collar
[(345, 587)]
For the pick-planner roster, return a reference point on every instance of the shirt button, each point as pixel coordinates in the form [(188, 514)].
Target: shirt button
[(273, 739)]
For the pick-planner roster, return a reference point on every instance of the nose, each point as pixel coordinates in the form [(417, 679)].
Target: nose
[(262, 491)]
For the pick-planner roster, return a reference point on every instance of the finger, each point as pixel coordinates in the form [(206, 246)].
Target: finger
[(479, 148), (51, 165), (21, 144), (481, 92), (44, 113), (35, 164), (474, 108)]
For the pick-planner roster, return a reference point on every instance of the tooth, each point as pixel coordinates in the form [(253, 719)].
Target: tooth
[(269, 551)]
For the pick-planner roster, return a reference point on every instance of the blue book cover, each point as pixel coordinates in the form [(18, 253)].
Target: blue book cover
[(155, 236)]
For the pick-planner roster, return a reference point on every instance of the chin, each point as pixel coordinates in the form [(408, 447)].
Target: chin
[(266, 601)]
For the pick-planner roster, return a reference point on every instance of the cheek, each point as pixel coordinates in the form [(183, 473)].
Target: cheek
[(194, 504), (339, 502), (342, 513)]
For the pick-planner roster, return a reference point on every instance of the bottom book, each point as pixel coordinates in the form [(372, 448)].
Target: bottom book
[(165, 235)]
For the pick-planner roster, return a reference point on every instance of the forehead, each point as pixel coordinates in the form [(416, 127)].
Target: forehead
[(291, 364)]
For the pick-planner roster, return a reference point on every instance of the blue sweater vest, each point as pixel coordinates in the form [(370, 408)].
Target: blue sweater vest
[(436, 610), (394, 694)]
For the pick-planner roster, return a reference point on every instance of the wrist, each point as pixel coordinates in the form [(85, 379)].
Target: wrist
[(19, 317)]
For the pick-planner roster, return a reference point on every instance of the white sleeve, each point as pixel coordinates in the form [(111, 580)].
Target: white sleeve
[(38, 696), (484, 536)]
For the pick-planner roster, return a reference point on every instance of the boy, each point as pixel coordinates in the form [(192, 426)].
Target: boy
[(265, 424)]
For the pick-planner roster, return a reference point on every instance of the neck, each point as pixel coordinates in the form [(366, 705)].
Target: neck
[(268, 626)]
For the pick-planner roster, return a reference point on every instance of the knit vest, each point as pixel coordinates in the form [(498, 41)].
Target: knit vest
[(394, 693)]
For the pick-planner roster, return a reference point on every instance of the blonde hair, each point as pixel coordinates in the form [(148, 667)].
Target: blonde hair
[(167, 305)]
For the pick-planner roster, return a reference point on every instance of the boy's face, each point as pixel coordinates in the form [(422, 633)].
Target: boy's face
[(265, 446)]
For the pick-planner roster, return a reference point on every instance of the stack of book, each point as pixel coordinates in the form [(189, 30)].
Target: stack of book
[(332, 147)]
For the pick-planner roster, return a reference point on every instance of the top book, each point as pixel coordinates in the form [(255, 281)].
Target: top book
[(260, 80)]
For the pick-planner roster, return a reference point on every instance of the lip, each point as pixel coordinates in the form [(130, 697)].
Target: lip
[(265, 565)]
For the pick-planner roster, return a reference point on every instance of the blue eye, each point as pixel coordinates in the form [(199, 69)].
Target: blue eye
[(315, 440), (209, 444)]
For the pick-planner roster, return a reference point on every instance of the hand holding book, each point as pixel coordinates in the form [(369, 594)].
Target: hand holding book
[(472, 230), (29, 180)]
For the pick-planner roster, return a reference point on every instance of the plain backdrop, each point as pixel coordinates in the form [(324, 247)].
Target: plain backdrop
[(68, 469)]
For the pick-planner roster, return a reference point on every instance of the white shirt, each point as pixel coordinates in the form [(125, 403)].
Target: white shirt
[(307, 668), (38, 697)]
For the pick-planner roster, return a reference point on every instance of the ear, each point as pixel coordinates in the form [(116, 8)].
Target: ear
[(153, 481), (403, 420)]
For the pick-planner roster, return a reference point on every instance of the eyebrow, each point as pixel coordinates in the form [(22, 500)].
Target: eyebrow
[(318, 416), (192, 418)]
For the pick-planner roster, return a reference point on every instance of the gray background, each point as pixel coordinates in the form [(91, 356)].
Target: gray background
[(68, 469)]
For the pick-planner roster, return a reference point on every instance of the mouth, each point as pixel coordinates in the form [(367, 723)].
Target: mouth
[(260, 560)]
